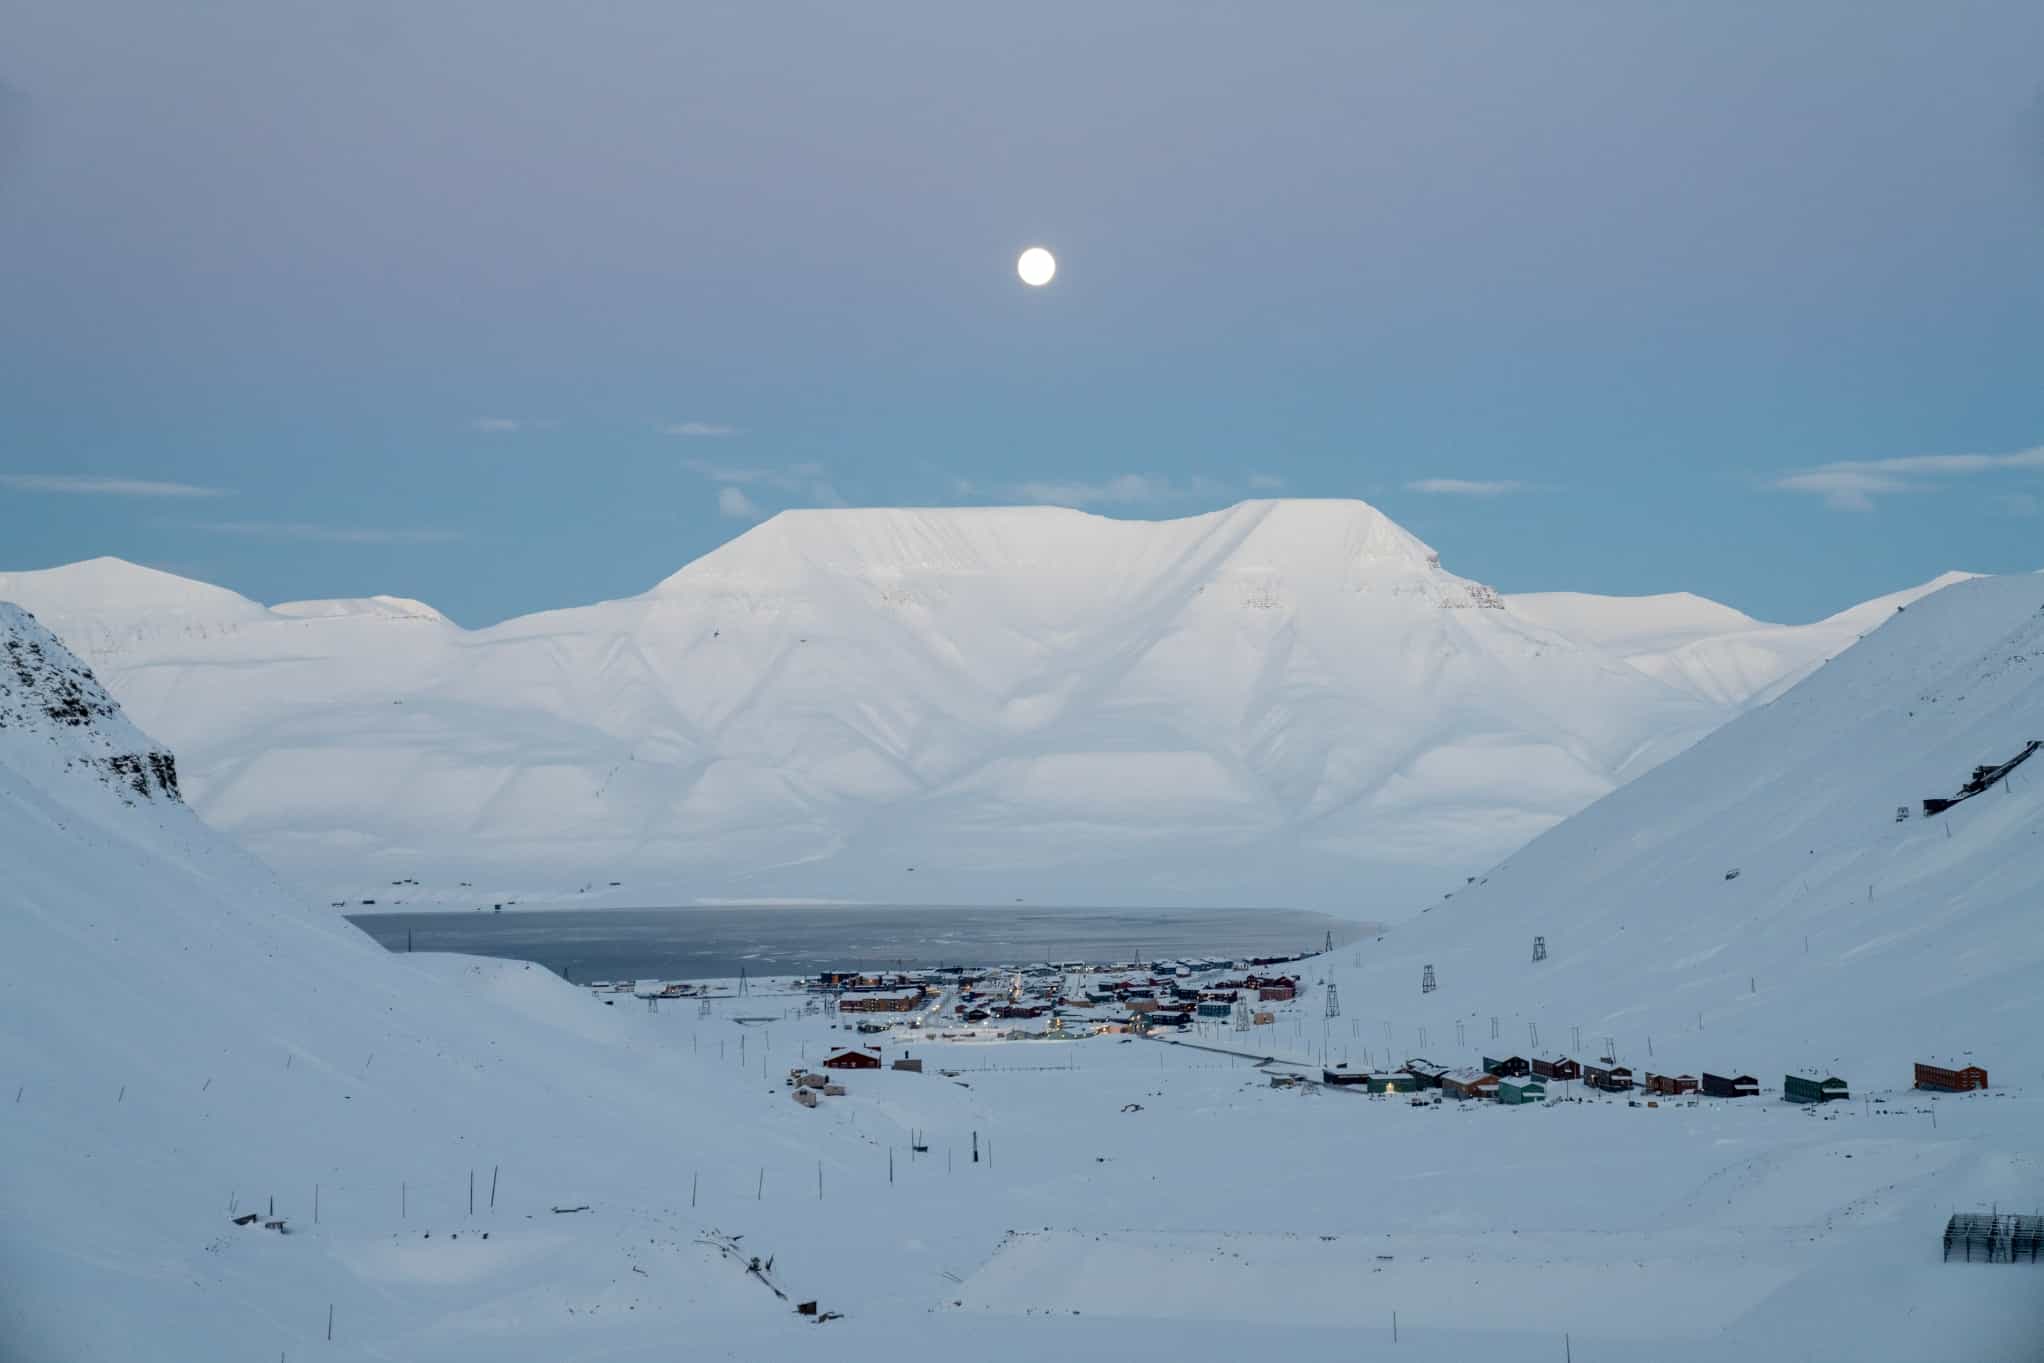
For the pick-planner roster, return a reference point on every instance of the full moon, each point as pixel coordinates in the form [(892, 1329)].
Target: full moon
[(1036, 266)]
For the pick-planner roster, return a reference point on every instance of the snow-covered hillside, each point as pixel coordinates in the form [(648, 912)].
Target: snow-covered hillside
[(1283, 702), (177, 1046), (1755, 902), (172, 1037)]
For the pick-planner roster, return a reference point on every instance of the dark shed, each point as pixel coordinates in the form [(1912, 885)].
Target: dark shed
[(1995, 1239)]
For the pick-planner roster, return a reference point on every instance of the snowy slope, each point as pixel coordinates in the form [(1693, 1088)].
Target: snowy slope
[(1710, 650), (171, 1035), (1281, 702), (1846, 939), (180, 1045)]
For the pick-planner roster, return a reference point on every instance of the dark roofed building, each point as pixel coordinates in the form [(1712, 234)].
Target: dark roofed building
[(1811, 1088), (1730, 1085), (1607, 1075)]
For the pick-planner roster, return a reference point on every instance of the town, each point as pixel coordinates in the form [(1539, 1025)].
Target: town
[(1229, 1007)]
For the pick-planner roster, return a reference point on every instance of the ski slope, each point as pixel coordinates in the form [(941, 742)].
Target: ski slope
[(180, 1043), (1282, 702)]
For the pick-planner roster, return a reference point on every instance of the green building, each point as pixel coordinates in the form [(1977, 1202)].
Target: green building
[(1522, 1090), (1805, 1088)]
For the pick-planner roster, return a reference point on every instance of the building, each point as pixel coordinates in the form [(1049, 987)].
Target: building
[(1608, 1075), (1810, 1088), (1670, 1083), (853, 1060), (1425, 1073), (1216, 1009), (912, 1066), (1344, 1078), (1396, 1082), (1995, 1238), (1469, 1083), (1556, 1068), (1516, 1089), (1730, 1085), (1263, 1019), (1950, 1080), (888, 1001), (1510, 1066), (1277, 993)]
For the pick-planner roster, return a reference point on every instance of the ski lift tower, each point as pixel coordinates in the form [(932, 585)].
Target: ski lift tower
[(1333, 1000), (1426, 981), (1539, 948)]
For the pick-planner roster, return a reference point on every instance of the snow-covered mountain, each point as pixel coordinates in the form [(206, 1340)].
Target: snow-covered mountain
[(1774, 896), (181, 1046), (1285, 701)]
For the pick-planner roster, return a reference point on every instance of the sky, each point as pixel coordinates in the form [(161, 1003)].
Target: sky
[(509, 306)]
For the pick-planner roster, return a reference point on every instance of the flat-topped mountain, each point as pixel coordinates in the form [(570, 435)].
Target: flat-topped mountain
[(1284, 701)]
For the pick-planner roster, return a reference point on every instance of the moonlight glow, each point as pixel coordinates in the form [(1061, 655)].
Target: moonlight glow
[(1036, 266)]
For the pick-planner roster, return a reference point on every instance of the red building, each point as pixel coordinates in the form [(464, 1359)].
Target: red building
[(1950, 1080), (853, 1060)]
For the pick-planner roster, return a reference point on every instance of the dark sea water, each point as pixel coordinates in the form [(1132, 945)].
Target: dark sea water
[(698, 944)]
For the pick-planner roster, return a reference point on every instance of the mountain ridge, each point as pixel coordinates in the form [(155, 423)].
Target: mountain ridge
[(1282, 701)]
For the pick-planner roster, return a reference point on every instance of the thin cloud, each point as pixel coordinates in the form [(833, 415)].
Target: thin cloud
[(1852, 484), (1123, 489), (1465, 487), (699, 429), (1265, 482), (307, 533), (808, 481), (1844, 489), (87, 486), (496, 425), (735, 505)]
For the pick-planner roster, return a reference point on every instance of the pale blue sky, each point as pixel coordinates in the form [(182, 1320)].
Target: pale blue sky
[(508, 306)]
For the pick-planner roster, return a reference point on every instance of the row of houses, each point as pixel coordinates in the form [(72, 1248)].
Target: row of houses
[(884, 1001), (1516, 1079)]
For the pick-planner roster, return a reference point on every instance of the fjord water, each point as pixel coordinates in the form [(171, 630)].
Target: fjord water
[(716, 943)]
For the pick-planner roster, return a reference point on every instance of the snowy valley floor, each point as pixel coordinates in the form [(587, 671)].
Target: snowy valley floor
[(1132, 1197)]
